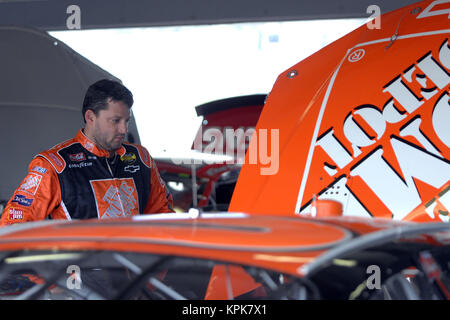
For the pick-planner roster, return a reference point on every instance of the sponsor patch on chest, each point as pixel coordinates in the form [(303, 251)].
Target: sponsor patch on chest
[(77, 157), (132, 168), (128, 158), (115, 197)]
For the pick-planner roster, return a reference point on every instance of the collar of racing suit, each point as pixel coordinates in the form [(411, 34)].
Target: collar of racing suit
[(89, 145)]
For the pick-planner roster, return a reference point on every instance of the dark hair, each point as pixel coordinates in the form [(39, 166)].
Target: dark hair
[(98, 94)]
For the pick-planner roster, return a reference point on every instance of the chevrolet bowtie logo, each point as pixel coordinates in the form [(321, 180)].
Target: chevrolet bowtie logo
[(132, 169)]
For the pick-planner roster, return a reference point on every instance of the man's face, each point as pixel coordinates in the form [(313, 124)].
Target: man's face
[(110, 126)]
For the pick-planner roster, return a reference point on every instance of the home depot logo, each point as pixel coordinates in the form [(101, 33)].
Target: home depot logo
[(388, 156), (115, 197), (31, 183)]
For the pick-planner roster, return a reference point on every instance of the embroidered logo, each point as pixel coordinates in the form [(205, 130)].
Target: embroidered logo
[(39, 170), (77, 157), (132, 169), (31, 183), (115, 198), (89, 146), (15, 214), (55, 158), (128, 158), (22, 200), (80, 165)]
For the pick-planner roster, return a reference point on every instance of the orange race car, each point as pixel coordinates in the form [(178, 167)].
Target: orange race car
[(363, 121), (225, 256)]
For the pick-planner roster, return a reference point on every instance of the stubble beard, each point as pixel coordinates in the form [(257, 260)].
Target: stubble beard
[(102, 142)]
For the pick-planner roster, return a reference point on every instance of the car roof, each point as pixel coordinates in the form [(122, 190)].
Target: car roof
[(280, 243)]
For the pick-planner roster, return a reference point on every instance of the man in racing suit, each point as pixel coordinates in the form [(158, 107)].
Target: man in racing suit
[(94, 175)]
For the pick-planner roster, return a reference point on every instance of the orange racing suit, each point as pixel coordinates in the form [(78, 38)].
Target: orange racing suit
[(75, 180)]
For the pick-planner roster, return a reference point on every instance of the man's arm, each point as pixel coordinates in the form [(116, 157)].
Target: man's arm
[(160, 199), (37, 196)]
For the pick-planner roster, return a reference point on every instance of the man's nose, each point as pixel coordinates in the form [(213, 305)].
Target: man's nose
[(123, 128)]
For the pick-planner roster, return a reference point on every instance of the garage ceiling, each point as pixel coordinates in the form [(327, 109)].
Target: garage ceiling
[(52, 15)]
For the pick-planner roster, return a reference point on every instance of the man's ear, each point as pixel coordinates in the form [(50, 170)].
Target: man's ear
[(89, 116)]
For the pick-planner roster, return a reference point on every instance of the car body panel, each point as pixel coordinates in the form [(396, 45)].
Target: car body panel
[(361, 122)]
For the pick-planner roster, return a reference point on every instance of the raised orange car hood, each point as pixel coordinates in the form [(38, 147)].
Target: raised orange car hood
[(364, 121)]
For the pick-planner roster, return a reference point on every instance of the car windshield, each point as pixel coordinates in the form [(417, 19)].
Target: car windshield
[(387, 272), (126, 275)]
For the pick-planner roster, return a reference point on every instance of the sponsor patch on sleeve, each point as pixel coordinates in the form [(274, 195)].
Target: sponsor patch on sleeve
[(22, 200), (15, 214), (31, 183), (39, 169)]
